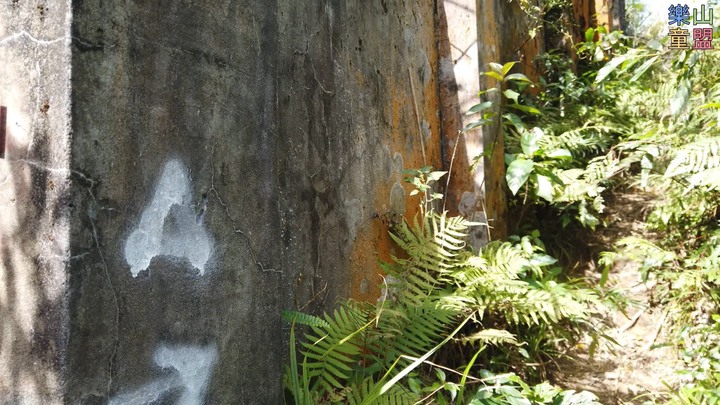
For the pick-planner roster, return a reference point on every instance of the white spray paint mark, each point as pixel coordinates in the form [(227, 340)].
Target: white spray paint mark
[(191, 367), (169, 225)]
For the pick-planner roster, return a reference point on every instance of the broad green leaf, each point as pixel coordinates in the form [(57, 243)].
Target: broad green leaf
[(680, 99), (476, 124), (414, 385), (646, 164), (544, 188), (609, 68), (526, 245), (511, 94), (526, 108), (604, 276), (628, 64), (453, 389), (655, 45), (529, 140), (599, 55), (542, 260), (479, 107), (435, 176), (492, 90), (518, 173), (643, 68), (560, 153), (515, 121), (494, 75), (590, 35), (632, 57), (506, 68), (496, 67), (518, 77)]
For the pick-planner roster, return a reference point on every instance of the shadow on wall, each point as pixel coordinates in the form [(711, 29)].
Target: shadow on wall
[(33, 306), (465, 188)]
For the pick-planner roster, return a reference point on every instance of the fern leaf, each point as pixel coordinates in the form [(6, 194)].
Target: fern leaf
[(304, 319), (495, 337), (696, 157)]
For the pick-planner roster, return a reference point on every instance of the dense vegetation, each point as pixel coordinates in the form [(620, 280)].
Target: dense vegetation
[(485, 327)]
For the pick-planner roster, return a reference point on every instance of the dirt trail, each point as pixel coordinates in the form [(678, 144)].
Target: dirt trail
[(638, 367)]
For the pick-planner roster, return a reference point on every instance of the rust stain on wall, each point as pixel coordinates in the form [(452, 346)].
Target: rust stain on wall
[(596, 13), (373, 241)]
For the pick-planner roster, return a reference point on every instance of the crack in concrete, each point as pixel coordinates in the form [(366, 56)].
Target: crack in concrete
[(41, 165), (91, 216), (306, 53), (237, 230), (196, 53), (21, 34), (29, 36), (66, 258)]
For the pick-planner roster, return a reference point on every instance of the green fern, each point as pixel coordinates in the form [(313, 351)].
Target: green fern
[(396, 395), (580, 141), (441, 281), (695, 158), (335, 348), (495, 337), (304, 319)]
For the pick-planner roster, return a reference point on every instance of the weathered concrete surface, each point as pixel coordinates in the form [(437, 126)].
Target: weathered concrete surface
[(177, 173), (346, 110), (232, 159), (34, 87), (598, 13), (459, 88), (472, 34)]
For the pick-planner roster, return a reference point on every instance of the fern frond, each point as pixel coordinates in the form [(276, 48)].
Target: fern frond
[(414, 330), (590, 138), (695, 158), (304, 319), (396, 395), (709, 178), (331, 350), (495, 337)]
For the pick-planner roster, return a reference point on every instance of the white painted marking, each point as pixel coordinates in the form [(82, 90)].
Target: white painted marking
[(194, 366), (191, 366), (169, 225)]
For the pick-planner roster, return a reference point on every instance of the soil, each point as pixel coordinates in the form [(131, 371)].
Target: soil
[(643, 363)]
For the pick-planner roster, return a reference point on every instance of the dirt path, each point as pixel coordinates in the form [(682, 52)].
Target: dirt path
[(638, 367)]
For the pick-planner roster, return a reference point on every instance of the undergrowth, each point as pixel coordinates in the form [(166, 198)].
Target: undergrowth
[(463, 326), (505, 304), (638, 119)]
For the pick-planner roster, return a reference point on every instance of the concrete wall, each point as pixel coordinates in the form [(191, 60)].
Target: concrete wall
[(34, 181), (601, 13), (472, 34), (179, 172)]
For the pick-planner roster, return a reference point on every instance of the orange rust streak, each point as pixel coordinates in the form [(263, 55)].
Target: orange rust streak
[(373, 241)]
